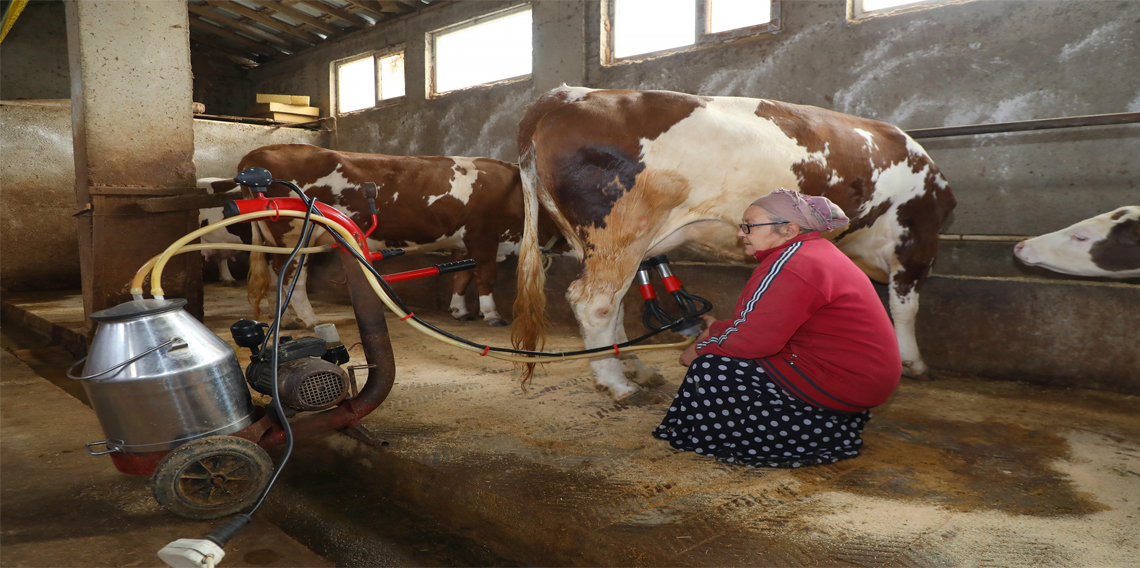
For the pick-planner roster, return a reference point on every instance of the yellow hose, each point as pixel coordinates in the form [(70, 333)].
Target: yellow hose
[(140, 276), (160, 264)]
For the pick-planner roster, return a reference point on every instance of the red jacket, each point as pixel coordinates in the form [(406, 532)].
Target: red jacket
[(816, 325)]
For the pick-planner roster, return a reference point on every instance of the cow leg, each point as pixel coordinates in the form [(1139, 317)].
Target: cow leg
[(300, 301), (292, 316), (631, 365), (903, 291), (458, 305), (596, 307), (484, 256), (227, 277)]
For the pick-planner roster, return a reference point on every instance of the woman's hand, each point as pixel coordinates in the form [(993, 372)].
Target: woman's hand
[(690, 353)]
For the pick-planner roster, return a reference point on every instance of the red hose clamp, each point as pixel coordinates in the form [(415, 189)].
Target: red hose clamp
[(486, 348), (616, 350), (277, 210), (410, 314)]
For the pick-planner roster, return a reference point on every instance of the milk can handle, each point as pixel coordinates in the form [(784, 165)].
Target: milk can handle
[(109, 450), (124, 363)]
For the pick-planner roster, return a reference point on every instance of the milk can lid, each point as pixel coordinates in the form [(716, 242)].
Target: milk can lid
[(137, 309)]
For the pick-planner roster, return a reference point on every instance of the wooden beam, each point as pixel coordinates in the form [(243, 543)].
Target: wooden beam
[(287, 9), (254, 46), (276, 24), (247, 57), (348, 17), (243, 24), (399, 7), (373, 6)]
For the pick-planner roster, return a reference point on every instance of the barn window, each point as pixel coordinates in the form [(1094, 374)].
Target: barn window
[(482, 51), (639, 27), (862, 8), (363, 82)]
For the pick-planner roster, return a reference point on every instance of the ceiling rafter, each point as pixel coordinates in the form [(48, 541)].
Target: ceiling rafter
[(243, 25), (248, 33), (265, 19), (302, 17), (345, 15)]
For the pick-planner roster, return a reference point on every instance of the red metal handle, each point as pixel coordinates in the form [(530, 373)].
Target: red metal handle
[(295, 204)]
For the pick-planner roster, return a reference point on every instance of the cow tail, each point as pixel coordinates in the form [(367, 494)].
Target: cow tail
[(258, 279), (529, 328)]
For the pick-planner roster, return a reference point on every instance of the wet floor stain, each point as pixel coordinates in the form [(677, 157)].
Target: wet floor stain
[(967, 466)]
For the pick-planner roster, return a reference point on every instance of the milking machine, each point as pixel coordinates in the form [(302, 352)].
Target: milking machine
[(175, 403)]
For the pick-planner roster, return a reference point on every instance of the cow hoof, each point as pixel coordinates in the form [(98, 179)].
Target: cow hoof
[(497, 323), (230, 283), (460, 317), (920, 371), (295, 324), (653, 379), (924, 377)]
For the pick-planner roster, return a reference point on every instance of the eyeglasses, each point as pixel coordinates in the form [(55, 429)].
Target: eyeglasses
[(746, 228)]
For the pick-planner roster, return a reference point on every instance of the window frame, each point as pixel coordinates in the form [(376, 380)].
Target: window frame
[(855, 9), (703, 36), (431, 48), (376, 56)]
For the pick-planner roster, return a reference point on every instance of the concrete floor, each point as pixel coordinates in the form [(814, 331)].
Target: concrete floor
[(62, 507), (956, 472)]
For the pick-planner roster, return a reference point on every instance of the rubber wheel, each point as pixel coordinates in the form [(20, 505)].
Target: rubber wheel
[(211, 477)]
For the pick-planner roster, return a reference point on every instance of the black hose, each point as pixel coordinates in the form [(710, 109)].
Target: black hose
[(392, 294)]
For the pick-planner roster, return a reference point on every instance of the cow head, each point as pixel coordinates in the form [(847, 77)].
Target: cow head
[(1107, 245)]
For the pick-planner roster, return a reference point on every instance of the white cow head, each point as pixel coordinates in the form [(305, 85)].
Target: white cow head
[(1106, 245)]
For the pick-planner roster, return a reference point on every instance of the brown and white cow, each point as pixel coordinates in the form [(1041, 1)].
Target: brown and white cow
[(233, 234), (631, 174), (472, 206), (1107, 245)]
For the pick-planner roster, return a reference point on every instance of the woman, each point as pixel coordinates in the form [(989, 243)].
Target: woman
[(790, 379)]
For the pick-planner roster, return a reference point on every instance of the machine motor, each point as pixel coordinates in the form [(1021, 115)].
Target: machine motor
[(309, 377)]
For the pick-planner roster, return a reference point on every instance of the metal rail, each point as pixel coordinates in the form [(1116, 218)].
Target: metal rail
[(1025, 125)]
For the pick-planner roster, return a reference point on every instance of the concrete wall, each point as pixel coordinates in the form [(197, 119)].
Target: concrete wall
[(35, 55), (957, 63), (38, 240)]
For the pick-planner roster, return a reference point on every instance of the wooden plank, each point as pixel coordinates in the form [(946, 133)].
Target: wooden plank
[(276, 24), (241, 25), (287, 10), (187, 202), (198, 24), (342, 14), (261, 108), (245, 58), (382, 10)]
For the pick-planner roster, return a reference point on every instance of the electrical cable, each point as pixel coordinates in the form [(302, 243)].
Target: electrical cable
[(274, 332)]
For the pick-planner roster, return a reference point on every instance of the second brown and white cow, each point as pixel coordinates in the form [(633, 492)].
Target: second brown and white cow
[(472, 206), (627, 175), (1107, 246)]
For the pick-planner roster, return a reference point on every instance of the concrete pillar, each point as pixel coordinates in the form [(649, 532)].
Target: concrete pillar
[(131, 91), (559, 43)]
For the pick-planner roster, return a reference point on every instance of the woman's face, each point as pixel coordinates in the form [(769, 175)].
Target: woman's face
[(760, 238)]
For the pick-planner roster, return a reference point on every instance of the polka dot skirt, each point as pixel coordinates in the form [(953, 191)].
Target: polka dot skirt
[(728, 409)]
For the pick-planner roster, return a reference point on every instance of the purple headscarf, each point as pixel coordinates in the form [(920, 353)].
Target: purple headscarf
[(808, 211)]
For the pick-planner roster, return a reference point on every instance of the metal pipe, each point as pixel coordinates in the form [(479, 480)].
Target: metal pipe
[(1024, 125)]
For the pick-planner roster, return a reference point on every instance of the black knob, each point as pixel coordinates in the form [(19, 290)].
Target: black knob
[(248, 333), (256, 179)]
